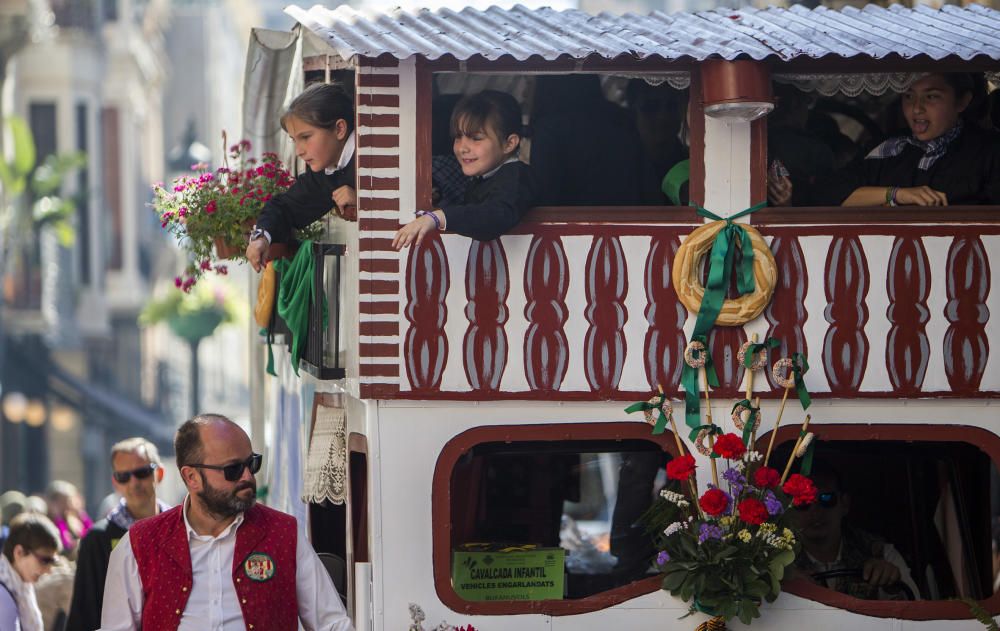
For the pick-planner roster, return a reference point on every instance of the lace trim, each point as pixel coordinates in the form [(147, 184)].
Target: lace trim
[(326, 466), (875, 83)]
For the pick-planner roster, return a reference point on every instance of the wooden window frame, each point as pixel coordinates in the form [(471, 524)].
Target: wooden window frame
[(916, 610), (461, 444)]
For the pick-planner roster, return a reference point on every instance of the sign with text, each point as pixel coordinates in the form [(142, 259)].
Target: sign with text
[(517, 573)]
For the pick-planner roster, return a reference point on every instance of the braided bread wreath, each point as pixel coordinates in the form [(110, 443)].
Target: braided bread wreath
[(686, 275)]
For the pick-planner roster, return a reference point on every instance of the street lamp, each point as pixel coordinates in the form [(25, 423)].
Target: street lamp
[(15, 407)]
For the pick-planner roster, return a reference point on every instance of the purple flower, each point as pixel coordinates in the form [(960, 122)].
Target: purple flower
[(736, 480), (662, 557), (708, 531), (772, 503)]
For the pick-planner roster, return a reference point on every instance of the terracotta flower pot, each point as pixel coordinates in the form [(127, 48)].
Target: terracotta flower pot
[(225, 250)]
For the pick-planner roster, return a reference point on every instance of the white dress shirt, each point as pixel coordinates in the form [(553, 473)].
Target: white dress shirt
[(213, 604)]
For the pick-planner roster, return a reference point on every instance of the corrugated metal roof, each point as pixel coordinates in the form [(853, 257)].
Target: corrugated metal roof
[(779, 33)]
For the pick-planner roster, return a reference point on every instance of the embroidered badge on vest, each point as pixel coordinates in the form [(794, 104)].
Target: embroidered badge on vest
[(258, 567)]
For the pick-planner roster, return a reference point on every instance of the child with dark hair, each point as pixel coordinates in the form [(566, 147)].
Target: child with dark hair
[(320, 121), (946, 159), (28, 553), (486, 128)]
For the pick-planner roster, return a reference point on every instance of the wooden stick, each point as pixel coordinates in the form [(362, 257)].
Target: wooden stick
[(708, 417), (777, 423), (673, 427), (791, 457)]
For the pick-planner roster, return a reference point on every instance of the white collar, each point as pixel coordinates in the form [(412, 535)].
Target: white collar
[(490, 174), (192, 534), (345, 155)]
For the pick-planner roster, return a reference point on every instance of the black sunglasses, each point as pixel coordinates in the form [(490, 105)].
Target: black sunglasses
[(823, 500), (234, 472), (122, 477)]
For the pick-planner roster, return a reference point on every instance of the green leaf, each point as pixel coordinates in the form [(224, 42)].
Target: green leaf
[(673, 580), (23, 145)]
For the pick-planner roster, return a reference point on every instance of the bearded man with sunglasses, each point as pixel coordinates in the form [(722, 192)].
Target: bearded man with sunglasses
[(136, 471), (219, 561)]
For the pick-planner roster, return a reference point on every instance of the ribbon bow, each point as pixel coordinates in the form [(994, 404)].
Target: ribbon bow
[(755, 348), (748, 427), (655, 403), (800, 367), (719, 272)]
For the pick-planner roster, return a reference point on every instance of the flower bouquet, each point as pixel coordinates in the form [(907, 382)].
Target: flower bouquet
[(213, 211), (727, 550)]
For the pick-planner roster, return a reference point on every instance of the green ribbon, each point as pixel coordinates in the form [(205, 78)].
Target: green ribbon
[(719, 272), (657, 404), (800, 367), (748, 428), (713, 430), (755, 348)]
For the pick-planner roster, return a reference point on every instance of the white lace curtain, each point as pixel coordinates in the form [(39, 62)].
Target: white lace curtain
[(326, 467)]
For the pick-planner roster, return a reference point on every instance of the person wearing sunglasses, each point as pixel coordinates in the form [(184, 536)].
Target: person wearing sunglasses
[(136, 471), (220, 560), (844, 558), (29, 552)]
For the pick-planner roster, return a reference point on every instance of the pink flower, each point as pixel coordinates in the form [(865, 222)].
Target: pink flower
[(205, 265), (177, 281), (210, 207), (221, 270)]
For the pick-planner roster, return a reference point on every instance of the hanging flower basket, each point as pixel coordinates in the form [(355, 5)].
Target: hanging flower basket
[(210, 213)]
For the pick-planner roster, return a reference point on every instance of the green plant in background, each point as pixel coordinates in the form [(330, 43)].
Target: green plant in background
[(194, 316), (25, 182)]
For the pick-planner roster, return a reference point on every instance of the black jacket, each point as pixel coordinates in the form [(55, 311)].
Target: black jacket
[(91, 570), (968, 173), (494, 205), (304, 202)]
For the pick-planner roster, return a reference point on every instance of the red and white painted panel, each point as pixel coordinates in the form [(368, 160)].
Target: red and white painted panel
[(587, 312), (383, 89)]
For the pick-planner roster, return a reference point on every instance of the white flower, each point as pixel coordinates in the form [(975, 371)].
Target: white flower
[(674, 498), (674, 527), (753, 456)]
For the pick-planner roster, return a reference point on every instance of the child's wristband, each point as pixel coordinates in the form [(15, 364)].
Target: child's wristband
[(432, 215), (890, 196)]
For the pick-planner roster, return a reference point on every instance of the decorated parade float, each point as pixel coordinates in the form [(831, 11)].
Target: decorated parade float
[(467, 450)]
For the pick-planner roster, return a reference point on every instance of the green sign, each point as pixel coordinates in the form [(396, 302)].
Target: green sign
[(509, 575)]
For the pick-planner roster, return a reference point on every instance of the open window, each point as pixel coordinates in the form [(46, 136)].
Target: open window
[(825, 127), (542, 518), (594, 139), (928, 490)]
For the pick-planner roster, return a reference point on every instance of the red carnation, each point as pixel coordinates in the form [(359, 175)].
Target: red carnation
[(752, 511), (680, 468), (729, 446), (714, 502), (801, 488), (766, 478)]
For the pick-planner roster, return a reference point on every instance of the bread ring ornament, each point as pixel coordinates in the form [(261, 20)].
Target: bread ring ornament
[(665, 407), (759, 358), (689, 354), (780, 369), (699, 442), (686, 275), (738, 421)]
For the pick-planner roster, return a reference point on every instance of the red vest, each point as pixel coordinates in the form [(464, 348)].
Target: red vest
[(263, 569)]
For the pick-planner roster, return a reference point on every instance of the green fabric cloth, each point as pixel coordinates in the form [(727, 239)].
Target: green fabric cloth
[(675, 178), (295, 297)]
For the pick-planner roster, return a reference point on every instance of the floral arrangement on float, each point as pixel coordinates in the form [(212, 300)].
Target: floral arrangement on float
[(210, 213), (724, 549)]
